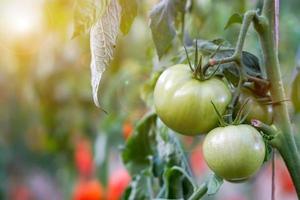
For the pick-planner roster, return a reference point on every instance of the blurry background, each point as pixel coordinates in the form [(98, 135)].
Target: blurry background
[(55, 143)]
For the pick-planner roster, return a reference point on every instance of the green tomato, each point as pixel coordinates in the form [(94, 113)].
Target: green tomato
[(295, 95), (183, 102), (234, 152), (257, 110)]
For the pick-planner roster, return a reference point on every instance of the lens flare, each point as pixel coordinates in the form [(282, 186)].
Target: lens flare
[(20, 18)]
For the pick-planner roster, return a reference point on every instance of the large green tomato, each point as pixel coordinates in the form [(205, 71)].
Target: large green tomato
[(183, 103), (234, 152), (257, 110), (295, 96)]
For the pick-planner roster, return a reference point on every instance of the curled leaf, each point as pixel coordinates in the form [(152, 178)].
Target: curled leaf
[(86, 13), (103, 36), (164, 22)]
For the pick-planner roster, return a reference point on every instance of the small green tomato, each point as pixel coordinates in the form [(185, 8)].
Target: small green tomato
[(234, 152)]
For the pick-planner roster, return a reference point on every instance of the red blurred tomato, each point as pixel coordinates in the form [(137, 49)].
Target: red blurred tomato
[(127, 130), (117, 184), (19, 192), (84, 157), (88, 190), (197, 162), (285, 180)]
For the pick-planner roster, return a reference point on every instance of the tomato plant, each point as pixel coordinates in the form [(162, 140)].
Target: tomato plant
[(183, 102), (193, 99), (234, 153)]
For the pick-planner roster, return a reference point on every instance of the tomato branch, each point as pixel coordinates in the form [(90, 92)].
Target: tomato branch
[(270, 131), (237, 55), (200, 192), (265, 26)]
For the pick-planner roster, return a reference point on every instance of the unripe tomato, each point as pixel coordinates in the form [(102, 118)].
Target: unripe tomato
[(88, 190), (117, 184), (295, 96), (183, 102), (258, 110), (234, 152)]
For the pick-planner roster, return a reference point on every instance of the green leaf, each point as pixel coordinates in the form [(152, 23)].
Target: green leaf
[(231, 77), (129, 12), (86, 13), (235, 18), (138, 189), (140, 146), (169, 148), (164, 21), (214, 184), (178, 183)]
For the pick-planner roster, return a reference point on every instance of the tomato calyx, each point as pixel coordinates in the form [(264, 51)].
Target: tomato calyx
[(198, 69), (239, 118)]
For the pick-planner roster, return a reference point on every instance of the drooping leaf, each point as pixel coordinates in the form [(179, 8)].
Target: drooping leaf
[(138, 188), (235, 18), (129, 12), (103, 36), (140, 146), (214, 184), (154, 152), (169, 148), (178, 183), (164, 21), (86, 13)]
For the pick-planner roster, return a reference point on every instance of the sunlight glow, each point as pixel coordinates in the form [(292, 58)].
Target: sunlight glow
[(20, 18)]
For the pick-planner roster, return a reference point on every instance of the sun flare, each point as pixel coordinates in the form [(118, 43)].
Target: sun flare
[(20, 18)]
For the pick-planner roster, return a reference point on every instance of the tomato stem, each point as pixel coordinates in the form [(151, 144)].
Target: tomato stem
[(200, 192), (265, 25)]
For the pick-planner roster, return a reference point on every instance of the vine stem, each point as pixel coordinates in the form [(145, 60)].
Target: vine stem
[(200, 192), (265, 27), (237, 58)]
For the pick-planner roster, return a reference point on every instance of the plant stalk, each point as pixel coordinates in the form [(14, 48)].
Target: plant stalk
[(200, 192), (265, 26)]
